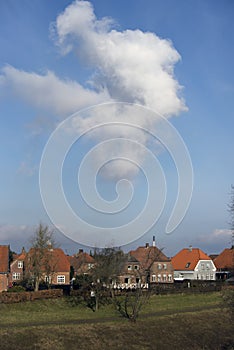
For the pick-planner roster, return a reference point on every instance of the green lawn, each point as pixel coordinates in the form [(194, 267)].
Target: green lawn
[(27, 325), (62, 309)]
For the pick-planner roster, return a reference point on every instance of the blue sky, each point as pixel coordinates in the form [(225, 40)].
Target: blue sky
[(200, 32)]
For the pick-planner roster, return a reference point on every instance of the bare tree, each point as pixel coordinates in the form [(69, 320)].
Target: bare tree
[(39, 258), (130, 302), (109, 263)]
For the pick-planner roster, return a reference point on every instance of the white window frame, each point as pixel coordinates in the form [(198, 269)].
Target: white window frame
[(165, 266), (16, 276), (61, 279), (48, 279), (159, 266), (20, 264), (129, 267), (153, 278), (169, 278)]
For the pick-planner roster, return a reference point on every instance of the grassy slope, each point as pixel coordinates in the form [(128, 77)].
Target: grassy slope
[(211, 329)]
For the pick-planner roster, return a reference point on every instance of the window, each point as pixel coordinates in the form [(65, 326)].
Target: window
[(16, 276), (202, 266), (61, 279), (129, 267), (187, 265), (159, 278), (126, 280), (207, 266), (164, 278), (169, 278), (153, 278), (211, 276), (20, 264), (48, 279), (159, 266), (90, 266), (136, 267), (165, 266)]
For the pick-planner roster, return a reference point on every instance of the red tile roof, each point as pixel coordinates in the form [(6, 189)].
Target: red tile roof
[(21, 256), (79, 259), (58, 260), (225, 260), (147, 255), (187, 259), (4, 258)]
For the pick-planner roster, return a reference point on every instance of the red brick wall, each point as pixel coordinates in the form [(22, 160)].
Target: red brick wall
[(3, 282)]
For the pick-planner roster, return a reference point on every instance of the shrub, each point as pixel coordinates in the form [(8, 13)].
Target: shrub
[(16, 289)]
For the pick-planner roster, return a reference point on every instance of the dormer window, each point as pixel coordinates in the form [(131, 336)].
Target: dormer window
[(20, 264), (187, 265)]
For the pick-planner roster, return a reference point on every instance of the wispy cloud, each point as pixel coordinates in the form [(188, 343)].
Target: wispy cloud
[(15, 233), (216, 240), (49, 92), (27, 169)]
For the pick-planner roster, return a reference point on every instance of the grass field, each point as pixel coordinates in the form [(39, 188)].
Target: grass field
[(166, 322)]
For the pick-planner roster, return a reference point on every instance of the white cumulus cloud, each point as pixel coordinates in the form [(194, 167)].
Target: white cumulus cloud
[(132, 65), (128, 66)]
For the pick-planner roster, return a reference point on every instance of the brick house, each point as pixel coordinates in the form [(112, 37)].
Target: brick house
[(193, 264), (81, 263), (224, 263), (55, 268), (156, 267), (4, 267), (131, 275), (17, 267), (162, 271)]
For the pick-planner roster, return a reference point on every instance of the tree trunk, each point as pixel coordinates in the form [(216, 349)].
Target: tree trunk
[(97, 303), (36, 285)]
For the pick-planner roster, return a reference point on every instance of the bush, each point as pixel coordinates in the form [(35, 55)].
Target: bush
[(16, 289), (228, 299)]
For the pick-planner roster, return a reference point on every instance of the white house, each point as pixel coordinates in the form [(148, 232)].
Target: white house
[(193, 264)]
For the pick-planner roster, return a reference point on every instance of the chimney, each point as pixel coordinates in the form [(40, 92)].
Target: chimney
[(190, 248), (147, 245), (154, 244)]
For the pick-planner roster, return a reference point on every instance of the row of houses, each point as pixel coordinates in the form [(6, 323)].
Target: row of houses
[(143, 266)]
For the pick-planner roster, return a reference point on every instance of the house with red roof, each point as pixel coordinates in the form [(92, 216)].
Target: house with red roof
[(55, 267), (193, 264), (156, 265), (17, 268), (224, 263), (4, 267), (131, 275), (81, 263)]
